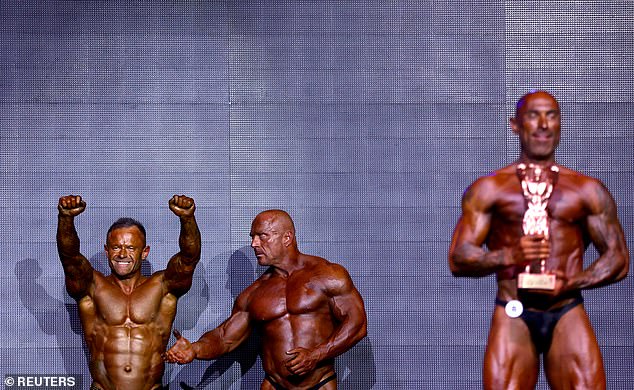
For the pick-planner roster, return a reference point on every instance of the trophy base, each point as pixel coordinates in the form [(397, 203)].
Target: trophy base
[(536, 281)]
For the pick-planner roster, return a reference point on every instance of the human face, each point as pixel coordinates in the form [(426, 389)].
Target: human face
[(538, 125), (125, 248), (267, 240)]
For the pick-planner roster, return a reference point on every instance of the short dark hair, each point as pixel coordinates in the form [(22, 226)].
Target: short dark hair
[(126, 222)]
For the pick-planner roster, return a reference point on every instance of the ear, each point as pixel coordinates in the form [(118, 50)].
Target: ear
[(145, 253), (514, 125), (287, 238)]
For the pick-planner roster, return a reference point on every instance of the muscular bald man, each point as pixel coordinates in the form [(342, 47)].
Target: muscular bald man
[(126, 317), (306, 309), (529, 322)]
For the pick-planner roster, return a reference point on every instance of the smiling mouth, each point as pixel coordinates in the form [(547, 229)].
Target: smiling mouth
[(125, 262), (543, 139), (543, 136)]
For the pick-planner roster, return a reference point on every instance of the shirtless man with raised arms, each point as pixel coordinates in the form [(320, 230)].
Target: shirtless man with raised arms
[(126, 317), (306, 309)]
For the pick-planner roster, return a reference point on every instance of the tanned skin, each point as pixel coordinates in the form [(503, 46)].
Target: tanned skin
[(126, 317), (306, 309), (581, 212)]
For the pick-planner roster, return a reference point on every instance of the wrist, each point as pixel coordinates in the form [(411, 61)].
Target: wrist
[(320, 353), (196, 349), (508, 257), (186, 217)]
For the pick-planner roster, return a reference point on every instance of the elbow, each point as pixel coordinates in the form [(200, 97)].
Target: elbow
[(358, 332), (455, 271), (363, 331), (454, 267), (190, 254), (458, 263), (624, 272), (192, 260), (463, 272), (470, 264), (624, 267), (357, 335)]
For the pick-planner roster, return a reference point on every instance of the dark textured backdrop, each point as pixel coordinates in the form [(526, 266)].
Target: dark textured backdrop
[(366, 120)]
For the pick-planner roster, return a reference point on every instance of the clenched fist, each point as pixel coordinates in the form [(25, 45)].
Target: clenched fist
[(71, 205), (182, 205)]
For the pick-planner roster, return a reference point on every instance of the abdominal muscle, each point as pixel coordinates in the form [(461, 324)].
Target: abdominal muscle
[(292, 331), (126, 356)]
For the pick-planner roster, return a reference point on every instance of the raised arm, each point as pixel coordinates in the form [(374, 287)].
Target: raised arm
[(607, 236), (180, 269), (77, 269), (215, 343), (346, 305)]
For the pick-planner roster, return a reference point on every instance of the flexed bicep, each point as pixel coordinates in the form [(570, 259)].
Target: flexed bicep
[(470, 233), (467, 255), (348, 308), (606, 233)]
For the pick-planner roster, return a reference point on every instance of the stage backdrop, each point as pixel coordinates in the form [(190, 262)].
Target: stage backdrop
[(366, 120)]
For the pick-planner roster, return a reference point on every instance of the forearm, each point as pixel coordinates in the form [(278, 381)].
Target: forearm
[(606, 235), (211, 345), (189, 240), (344, 338), (77, 269), (67, 238), (472, 261), (610, 268), (225, 338), (180, 269)]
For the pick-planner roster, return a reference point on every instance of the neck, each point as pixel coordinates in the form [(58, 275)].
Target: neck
[(544, 162), (289, 263), (129, 283)]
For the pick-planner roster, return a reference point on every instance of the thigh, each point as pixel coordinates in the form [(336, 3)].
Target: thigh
[(511, 361), (574, 359)]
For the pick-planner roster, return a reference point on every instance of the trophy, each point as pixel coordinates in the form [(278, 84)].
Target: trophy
[(537, 186)]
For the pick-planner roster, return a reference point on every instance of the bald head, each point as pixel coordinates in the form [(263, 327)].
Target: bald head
[(521, 103), (280, 220), (273, 238)]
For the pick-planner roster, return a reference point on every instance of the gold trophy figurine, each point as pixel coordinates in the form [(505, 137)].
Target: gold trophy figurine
[(537, 186)]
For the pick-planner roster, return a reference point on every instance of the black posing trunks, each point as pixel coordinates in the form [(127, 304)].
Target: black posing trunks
[(93, 386), (541, 324), (319, 385)]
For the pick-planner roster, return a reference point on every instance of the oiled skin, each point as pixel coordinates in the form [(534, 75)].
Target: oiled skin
[(127, 318), (581, 211), (306, 309)]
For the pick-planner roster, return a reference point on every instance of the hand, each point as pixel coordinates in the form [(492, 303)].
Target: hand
[(182, 352), (182, 205), (531, 248), (303, 361), (561, 284), (71, 205)]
